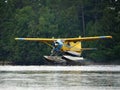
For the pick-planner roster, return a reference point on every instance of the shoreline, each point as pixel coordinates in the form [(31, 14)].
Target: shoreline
[(6, 63), (2, 63)]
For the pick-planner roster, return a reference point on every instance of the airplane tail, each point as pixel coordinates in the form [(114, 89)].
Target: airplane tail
[(77, 47)]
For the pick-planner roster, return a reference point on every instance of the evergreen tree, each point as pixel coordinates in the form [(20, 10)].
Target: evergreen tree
[(58, 18)]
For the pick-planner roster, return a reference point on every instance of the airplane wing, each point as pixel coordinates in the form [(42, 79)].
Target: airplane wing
[(88, 38), (37, 39), (65, 39)]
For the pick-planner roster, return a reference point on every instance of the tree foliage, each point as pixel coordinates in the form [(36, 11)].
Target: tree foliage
[(58, 18)]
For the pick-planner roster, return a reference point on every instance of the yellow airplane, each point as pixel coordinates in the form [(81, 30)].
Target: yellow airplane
[(66, 44)]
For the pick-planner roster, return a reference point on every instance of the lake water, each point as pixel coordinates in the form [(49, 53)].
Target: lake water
[(93, 77)]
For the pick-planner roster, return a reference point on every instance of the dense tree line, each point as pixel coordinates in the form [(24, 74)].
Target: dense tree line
[(58, 18)]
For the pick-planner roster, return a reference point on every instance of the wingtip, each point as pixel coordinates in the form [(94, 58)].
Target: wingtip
[(110, 36), (19, 38), (16, 38), (106, 37)]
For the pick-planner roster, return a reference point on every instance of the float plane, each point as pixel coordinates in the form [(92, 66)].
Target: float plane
[(66, 51)]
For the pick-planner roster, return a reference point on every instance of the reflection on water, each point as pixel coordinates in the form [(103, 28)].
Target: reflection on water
[(60, 77)]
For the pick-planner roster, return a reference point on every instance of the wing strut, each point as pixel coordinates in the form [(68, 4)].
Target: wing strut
[(48, 44)]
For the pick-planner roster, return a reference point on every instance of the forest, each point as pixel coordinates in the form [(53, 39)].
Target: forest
[(59, 19)]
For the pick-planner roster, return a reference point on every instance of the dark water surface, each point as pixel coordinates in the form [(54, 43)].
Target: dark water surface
[(97, 77)]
